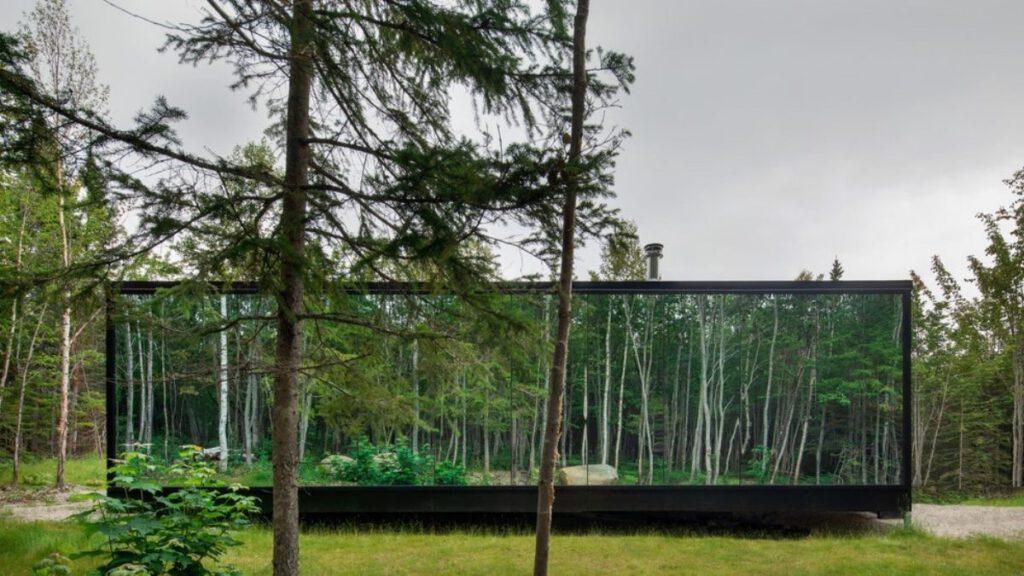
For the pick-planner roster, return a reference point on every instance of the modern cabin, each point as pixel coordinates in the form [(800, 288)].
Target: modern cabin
[(681, 397)]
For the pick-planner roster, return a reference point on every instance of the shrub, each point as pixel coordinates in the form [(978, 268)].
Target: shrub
[(757, 469), (449, 474), (185, 531), (53, 565), (385, 465), (407, 468), (363, 468)]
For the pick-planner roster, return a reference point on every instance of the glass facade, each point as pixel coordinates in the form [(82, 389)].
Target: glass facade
[(663, 388)]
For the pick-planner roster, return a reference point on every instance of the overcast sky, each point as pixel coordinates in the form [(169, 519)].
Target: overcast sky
[(768, 136)]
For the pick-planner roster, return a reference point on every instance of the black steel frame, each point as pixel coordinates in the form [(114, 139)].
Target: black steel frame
[(885, 500)]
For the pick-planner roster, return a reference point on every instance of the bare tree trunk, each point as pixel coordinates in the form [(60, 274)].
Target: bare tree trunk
[(289, 309), (672, 413), (810, 402), (935, 434), (150, 403), (142, 389), (818, 448), (249, 416), (766, 449), (605, 407), (163, 385), (222, 395), (1018, 415), (485, 436), (416, 396), (622, 389), (305, 407), (705, 407), (546, 487), (464, 418), (9, 348), (583, 442), (129, 351), (15, 456), (960, 451), (65, 339)]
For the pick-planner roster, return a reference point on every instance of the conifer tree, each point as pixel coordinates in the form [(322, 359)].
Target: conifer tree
[(372, 166)]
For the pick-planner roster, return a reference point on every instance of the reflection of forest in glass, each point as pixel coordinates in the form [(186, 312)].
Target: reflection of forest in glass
[(661, 389)]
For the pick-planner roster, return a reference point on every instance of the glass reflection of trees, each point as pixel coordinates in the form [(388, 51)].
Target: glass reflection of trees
[(401, 389)]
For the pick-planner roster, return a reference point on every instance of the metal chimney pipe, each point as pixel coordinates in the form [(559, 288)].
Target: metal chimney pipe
[(653, 251)]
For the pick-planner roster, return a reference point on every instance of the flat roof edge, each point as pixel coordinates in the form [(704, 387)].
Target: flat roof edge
[(582, 287)]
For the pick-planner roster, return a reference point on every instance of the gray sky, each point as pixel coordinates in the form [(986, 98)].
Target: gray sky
[(768, 136)]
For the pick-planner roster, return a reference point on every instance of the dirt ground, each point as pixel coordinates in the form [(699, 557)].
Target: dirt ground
[(958, 521), (48, 504)]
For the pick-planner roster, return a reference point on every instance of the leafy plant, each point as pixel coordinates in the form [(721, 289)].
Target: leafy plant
[(449, 474), (758, 467), (363, 468), (184, 531), (55, 564), (407, 468), (397, 465)]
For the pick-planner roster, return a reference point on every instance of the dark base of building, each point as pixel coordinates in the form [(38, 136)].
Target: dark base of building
[(596, 501)]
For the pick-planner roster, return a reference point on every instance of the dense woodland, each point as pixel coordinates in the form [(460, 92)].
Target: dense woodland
[(668, 389)]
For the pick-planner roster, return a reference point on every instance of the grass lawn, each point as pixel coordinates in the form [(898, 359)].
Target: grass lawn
[(41, 472), (396, 551)]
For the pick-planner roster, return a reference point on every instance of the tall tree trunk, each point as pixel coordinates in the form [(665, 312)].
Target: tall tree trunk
[(150, 403), (9, 347), (583, 442), (222, 387), (292, 228), (810, 402), (1018, 413), (65, 339), (935, 434), (765, 448), (142, 389), (960, 450), (16, 455), (705, 406), (129, 353), (163, 386), (416, 396), (818, 448), (305, 408), (546, 487), (605, 408), (622, 390), (485, 437)]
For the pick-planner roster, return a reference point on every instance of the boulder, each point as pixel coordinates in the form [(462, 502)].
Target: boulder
[(591, 475)]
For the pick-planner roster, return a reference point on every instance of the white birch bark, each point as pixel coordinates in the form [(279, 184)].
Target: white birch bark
[(222, 383)]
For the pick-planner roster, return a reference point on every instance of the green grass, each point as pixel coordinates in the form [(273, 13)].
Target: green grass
[(1015, 499), (41, 472), (377, 550)]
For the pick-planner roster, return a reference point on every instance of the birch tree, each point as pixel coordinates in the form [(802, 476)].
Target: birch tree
[(61, 64)]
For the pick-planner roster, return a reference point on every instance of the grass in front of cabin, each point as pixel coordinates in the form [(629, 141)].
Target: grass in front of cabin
[(88, 471), (376, 550)]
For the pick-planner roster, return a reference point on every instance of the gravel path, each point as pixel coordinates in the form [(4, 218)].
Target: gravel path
[(957, 521)]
